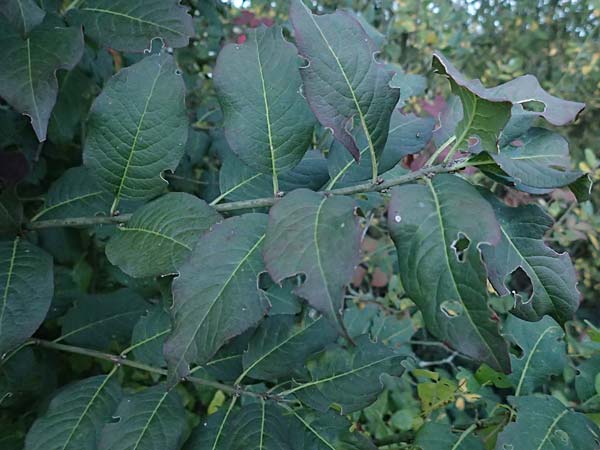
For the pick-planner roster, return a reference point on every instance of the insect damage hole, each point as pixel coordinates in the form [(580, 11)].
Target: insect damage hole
[(460, 246), (452, 309), (520, 285)]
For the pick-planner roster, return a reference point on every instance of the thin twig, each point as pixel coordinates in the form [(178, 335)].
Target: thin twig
[(424, 172)]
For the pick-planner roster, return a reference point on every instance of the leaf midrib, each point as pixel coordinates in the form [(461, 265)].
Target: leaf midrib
[(132, 18), (216, 298), (63, 203), (135, 140), (447, 258), (551, 427), (152, 415), (157, 234), (11, 266), (530, 356), (351, 89)]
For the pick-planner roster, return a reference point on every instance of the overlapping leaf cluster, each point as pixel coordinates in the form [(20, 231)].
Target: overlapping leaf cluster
[(244, 290)]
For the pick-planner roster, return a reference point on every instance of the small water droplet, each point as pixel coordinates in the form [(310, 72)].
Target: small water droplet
[(397, 219), (237, 47)]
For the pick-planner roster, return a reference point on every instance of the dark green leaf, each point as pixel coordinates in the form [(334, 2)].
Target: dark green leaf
[(24, 15), (264, 426), (551, 275), (281, 344), (97, 320), (282, 298), (267, 121), (160, 235), (137, 128), (318, 236), (543, 423), (439, 436), (129, 25), (153, 419), (11, 212), (76, 415), (587, 381), (349, 379), (440, 262), (27, 78), (343, 82), (216, 295), (149, 335), (74, 194), (543, 352), (239, 182), (26, 288)]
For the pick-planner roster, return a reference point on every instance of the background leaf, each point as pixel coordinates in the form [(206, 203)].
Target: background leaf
[(24, 15)]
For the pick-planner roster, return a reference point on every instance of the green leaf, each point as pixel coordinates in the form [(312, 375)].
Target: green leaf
[(410, 85), (440, 263), (76, 415), (11, 212), (348, 378), (484, 116), (539, 158), (27, 79), (267, 121), (153, 419), (160, 235), (439, 436), (24, 15), (543, 352), (97, 320), (343, 82), (216, 295), (486, 110), (551, 275), (587, 381), (239, 182), (266, 426), (408, 134), (282, 344), (26, 289), (129, 26), (312, 234), (137, 128), (74, 194), (435, 394), (282, 298), (543, 423), (149, 335)]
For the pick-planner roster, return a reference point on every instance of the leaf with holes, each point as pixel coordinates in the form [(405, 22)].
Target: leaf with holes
[(550, 286), (129, 26), (74, 194), (76, 415), (26, 287), (267, 121), (343, 82), (543, 352), (440, 263), (348, 378), (96, 321), (216, 295), (282, 344), (318, 236), (160, 235), (27, 79), (543, 423), (153, 419), (137, 128)]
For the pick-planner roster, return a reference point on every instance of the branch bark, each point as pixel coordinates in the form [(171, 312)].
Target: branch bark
[(383, 185)]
